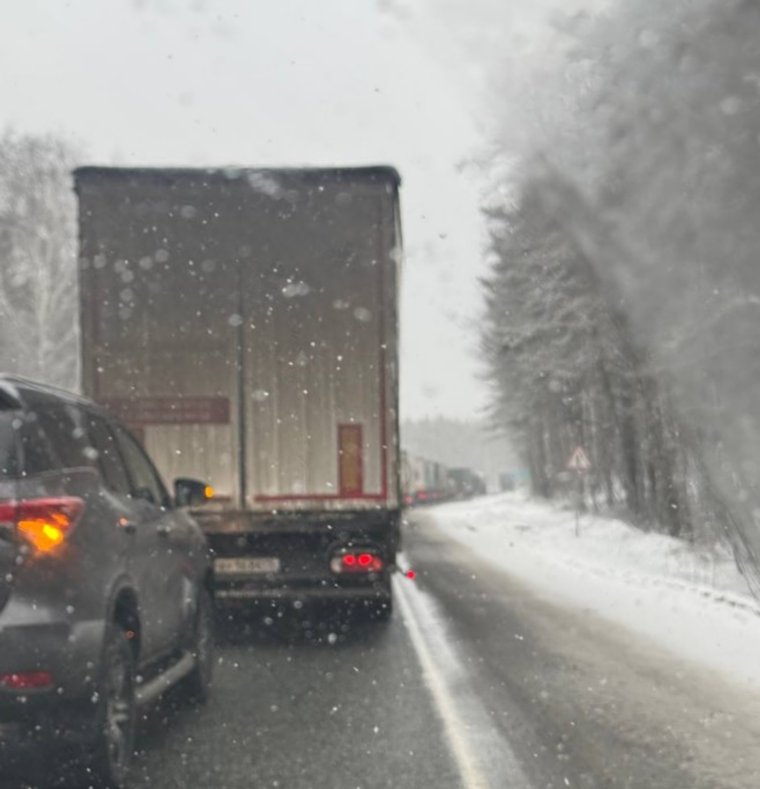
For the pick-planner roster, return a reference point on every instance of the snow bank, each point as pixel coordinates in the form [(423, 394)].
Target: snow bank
[(691, 601)]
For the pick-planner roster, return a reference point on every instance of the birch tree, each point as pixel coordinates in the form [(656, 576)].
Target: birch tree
[(38, 288)]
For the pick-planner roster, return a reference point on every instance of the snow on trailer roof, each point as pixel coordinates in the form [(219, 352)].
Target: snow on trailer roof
[(293, 174)]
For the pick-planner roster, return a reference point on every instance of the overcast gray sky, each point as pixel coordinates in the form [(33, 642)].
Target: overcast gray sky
[(216, 82)]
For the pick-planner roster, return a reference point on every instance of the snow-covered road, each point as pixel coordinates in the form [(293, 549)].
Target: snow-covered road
[(690, 600), (613, 659)]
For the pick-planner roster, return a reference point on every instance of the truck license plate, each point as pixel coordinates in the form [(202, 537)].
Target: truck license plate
[(247, 566)]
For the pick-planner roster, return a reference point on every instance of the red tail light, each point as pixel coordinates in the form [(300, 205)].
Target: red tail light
[(44, 523), (27, 680), (359, 562)]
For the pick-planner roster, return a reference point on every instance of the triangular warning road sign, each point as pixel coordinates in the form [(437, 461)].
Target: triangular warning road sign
[(578, 461)]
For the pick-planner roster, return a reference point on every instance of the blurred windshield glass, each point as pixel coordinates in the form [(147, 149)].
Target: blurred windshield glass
[(440, 321)]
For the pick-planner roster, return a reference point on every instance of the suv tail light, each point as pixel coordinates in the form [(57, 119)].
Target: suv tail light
[(356, 562), (27, 680), (44, 523)]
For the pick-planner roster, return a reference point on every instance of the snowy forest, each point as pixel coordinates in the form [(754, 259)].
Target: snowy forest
[(624, 286)]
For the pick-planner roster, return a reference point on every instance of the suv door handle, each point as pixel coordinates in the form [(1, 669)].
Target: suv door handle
[(163, 530)]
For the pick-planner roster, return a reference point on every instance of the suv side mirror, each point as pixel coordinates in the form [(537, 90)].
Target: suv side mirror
[(191, 492)]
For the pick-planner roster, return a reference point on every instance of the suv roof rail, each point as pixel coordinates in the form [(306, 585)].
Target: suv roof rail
[(10, 381), (9, 399)]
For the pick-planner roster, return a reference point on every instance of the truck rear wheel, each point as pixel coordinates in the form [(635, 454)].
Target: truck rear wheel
[(383, 610), (380, 609)]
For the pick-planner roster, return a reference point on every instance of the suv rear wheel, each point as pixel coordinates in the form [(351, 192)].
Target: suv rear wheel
[(197, 683)]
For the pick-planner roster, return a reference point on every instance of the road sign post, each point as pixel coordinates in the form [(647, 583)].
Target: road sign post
[(580, 464)]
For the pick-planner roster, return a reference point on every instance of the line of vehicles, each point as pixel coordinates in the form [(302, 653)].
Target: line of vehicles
[(239, 346), (425, 481)]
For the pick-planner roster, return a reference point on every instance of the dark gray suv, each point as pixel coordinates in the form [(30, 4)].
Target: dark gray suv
[(104, 584)]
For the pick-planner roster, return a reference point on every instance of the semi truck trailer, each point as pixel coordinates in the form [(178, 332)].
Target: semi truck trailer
[(243, 323)]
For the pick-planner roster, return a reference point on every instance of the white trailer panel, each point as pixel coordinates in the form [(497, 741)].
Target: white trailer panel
[(244, 323)]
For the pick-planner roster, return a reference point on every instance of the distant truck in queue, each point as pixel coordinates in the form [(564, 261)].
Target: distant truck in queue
[(244, 324), (465, 483), (425, 481)]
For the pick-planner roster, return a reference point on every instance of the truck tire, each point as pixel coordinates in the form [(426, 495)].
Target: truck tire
[(197, 683), (110, 756), (381, 608)]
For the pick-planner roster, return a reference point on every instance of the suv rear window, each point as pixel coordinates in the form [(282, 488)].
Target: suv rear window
[(9, 444), (63, 427), (37, 455)]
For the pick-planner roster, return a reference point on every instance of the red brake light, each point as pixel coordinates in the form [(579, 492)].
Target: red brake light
[(363, 562), (44, 523), (26, 680)]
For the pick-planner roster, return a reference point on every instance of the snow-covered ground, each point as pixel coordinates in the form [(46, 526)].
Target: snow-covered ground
[(691, 601)]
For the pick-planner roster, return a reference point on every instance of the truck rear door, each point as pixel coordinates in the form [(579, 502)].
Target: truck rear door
[(319, 335)]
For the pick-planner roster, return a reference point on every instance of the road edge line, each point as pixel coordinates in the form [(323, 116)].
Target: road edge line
[(453, 726)]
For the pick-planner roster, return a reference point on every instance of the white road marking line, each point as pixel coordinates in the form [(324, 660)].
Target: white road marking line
[(462, 723), (466, 763)]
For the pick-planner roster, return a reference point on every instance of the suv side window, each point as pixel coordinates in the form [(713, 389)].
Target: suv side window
[(109, 458), (36, 452), (62, 424), (146, 483)]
